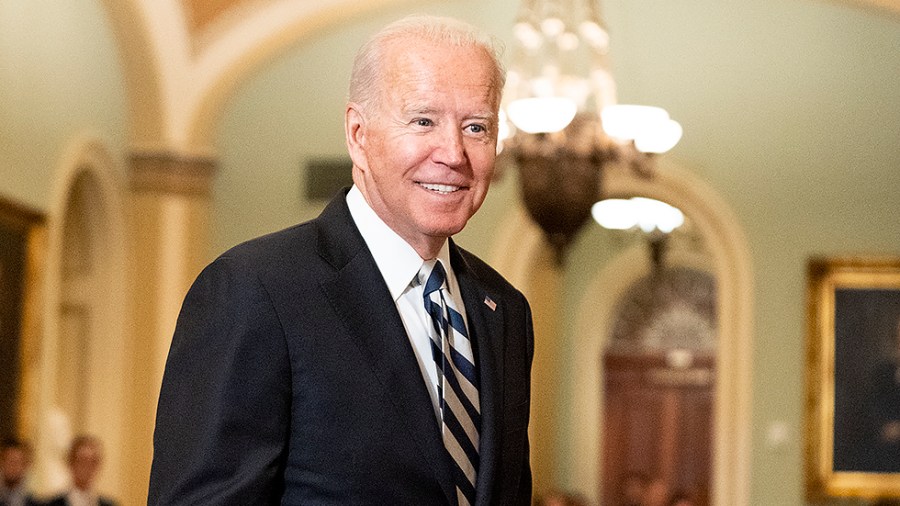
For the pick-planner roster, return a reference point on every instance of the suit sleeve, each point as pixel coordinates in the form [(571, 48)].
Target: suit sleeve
[(224, 407), (525, 483)]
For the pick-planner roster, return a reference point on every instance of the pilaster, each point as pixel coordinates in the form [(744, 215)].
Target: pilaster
[(169, 211)]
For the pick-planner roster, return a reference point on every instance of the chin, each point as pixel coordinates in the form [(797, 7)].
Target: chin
[(445, 231)]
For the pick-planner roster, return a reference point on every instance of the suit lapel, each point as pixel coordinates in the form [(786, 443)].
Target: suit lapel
[(486, 327), (359, 295)]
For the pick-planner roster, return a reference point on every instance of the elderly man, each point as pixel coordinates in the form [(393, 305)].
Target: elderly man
[(363, 357)]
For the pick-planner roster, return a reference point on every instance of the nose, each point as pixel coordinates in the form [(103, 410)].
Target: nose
[(451, 150)]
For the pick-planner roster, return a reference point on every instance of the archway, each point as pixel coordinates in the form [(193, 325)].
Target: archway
[(727, 245), (83, 360)]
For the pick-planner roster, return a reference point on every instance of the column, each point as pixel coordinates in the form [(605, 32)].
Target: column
[(169, 213)]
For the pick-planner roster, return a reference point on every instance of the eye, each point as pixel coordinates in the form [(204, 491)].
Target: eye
[(477, 128), (423, 122)]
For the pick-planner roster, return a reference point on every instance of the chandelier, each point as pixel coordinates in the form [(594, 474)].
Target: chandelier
[(561, 123)]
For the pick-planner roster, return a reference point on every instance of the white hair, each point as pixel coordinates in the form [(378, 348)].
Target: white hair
[(365, 83)]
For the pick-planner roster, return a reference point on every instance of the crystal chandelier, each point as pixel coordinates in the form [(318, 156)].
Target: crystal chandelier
[(563, 125)]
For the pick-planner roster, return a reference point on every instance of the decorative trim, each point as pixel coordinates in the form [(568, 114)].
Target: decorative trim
[(890, 6), (85, 159), (19, 216), (166, 172)]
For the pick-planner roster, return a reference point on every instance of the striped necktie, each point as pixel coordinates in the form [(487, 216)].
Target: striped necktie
[(457, 382)]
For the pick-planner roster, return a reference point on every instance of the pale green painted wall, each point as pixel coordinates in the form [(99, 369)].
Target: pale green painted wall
[(791, 111), (60, 80)]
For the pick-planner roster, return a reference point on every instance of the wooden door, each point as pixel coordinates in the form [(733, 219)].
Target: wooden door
[(658, 424)]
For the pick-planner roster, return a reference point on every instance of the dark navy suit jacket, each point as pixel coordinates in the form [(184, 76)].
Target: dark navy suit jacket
[(291, 380)]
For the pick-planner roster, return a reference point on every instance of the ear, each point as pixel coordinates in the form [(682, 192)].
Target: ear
[(355, 134)]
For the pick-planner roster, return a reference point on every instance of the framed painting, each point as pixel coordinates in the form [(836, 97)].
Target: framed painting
[(853, 378), (22, 235)]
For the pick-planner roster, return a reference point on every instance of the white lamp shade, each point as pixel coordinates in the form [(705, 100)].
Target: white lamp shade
[(625, 122), (658, 138), (654, 214), (541, 114), (614, 214), (648, 214)]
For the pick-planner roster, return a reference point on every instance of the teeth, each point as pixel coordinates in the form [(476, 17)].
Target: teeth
[(440, 188)]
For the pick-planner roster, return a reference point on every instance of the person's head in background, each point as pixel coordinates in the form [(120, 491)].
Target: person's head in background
[(632, 488), (15, 459), (85, 458), (681, 499), (421, 126), (656, 493)]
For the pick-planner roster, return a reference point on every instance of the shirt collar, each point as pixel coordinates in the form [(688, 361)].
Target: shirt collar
[(396, 259)]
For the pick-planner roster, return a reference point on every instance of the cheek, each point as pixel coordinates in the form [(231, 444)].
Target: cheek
[(484, 170)]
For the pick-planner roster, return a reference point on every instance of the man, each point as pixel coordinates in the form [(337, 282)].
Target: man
[(363, 357), (15, 459), (85, 459)]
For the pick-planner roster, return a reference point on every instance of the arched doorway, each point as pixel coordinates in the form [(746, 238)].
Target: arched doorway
[(83, 364), (659, 389), (728, 259)]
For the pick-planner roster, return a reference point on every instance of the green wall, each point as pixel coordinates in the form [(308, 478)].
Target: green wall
[(60, 80)]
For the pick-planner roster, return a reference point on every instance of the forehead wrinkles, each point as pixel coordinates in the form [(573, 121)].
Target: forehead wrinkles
[(416, 76)]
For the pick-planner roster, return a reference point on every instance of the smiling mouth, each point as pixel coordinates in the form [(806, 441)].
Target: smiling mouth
[(443, 189)]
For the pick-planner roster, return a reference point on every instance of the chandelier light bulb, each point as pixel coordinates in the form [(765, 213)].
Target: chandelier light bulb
[(567, 41), (594, 34), (527, 35), (541, 114), (552, 26)]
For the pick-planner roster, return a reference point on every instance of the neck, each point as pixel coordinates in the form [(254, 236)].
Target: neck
[(429, 248)]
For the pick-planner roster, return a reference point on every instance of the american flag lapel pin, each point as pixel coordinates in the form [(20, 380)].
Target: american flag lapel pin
[(490, 303)]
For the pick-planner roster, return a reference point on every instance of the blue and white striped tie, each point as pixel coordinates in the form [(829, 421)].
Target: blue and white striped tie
[(457, 383)]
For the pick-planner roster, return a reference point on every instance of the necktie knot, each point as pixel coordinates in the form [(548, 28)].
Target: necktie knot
[(436, 278)]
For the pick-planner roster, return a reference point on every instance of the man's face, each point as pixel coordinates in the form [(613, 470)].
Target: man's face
[(426, 147), (13, 465), (85, 464)]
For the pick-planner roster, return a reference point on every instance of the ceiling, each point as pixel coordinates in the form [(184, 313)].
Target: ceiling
[(201, 14)]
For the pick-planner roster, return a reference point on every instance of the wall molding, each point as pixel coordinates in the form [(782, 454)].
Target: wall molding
[(171, 173)]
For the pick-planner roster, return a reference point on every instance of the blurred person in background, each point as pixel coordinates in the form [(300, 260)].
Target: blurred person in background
[(85, 460), (15, 460)]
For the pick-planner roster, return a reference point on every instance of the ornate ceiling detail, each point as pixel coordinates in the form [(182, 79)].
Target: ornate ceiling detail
[(201, 14)]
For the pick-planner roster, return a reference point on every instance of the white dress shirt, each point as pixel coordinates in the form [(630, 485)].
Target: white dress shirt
[(12, 496), (399, 265), (79, 497)]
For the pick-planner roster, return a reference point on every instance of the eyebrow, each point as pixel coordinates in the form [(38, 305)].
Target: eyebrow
[(485, 116)]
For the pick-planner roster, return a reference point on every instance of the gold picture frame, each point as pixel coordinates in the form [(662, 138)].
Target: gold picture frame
[(853, 347), (22, 248)]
